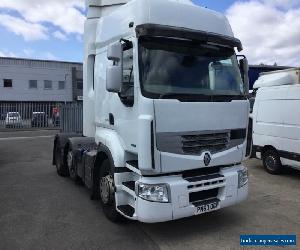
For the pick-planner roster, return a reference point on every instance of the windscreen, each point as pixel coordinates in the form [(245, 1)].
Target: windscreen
[(172, 66), (13, 115)]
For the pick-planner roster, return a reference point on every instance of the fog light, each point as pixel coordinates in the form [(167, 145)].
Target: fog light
[(243, 177), (153, 192)]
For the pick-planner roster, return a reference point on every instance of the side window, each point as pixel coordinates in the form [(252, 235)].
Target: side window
[(61, 85), (33, 84), (7, 83), (79, 84), (128, 67), (47, 84), (127, 89)]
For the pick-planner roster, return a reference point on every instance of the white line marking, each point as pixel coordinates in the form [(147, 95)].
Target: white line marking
[(24, 138)]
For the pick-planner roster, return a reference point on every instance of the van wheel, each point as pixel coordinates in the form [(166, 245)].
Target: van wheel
[(107, 191), (271, 161)]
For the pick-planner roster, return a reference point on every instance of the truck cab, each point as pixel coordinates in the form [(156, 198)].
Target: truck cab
[(165, 107)]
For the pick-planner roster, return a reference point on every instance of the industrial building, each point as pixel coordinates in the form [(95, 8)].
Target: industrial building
[(40, 81), (30, 80)]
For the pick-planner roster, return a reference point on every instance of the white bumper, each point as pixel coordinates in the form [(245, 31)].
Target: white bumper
[(180, 205)]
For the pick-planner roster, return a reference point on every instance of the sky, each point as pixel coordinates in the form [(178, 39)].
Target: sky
[(53, 29)]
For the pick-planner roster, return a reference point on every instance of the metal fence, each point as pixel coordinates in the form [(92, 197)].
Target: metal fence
[(71, 118), (27, 115)]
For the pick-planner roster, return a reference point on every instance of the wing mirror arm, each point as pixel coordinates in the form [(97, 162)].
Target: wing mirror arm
[(244, 69)]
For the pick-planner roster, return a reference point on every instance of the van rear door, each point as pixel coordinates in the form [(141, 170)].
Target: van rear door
[(291, 117)]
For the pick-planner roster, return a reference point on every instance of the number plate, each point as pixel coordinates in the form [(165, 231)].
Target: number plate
[(207, 207)]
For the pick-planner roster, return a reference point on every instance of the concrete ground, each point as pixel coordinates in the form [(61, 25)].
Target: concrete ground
[(40, 210)]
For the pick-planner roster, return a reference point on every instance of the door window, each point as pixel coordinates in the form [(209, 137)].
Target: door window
[(127, 89)]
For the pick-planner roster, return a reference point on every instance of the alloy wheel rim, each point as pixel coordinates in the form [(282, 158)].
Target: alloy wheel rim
[(271, 162), (106, 189)]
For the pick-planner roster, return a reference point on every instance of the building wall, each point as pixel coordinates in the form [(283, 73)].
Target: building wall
[(77, 76), (21, 71)]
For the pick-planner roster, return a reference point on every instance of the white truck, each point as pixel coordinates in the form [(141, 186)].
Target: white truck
[(276, 120), (165, 113)]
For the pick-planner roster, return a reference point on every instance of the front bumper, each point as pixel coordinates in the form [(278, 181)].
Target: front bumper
[(180, 204)]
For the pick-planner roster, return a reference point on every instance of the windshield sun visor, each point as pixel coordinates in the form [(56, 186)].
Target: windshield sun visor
[(155, 30)]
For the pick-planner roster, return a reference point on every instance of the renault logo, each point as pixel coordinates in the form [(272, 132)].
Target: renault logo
[(207, 159)]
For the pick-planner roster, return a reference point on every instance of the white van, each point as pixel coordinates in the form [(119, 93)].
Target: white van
[(276, 120)]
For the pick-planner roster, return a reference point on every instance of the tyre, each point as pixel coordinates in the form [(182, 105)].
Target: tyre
[(107, 192), (271, 161), (72, 167), (60, 163)]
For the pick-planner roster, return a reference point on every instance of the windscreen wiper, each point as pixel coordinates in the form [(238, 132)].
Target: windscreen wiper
[(229, 97), (187, 97)]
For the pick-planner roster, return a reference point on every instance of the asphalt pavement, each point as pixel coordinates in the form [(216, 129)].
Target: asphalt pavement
[(40, 210)]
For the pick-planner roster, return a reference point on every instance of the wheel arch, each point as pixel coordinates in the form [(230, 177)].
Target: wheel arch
[(103, 153), (60, 140), (110, 142), (268, 147)]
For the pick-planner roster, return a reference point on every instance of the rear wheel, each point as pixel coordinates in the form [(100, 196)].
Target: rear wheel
[(72, 167), (61, 167), (107, 191), (271, 161)]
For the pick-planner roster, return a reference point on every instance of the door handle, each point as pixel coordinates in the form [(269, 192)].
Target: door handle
[(111, 119)]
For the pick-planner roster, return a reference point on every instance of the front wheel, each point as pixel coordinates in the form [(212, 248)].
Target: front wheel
[(271, 161), (107, 191)]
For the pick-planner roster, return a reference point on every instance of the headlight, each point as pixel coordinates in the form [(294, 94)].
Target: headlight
[(243, 177), (153, 192)]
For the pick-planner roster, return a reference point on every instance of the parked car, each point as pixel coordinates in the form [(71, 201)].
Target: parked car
[(2, 116), (39, 120), (276, 120), (13, 120)]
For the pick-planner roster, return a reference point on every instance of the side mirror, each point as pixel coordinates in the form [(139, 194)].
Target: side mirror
[(244, 68), (115, 51), (114, 72), (114, 78)]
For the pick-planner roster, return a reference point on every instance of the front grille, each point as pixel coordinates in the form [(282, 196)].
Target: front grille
[(200, 171), (203, 195), (196, 144)]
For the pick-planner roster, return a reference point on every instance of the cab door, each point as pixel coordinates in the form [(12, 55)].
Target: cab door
[(123, 112)]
